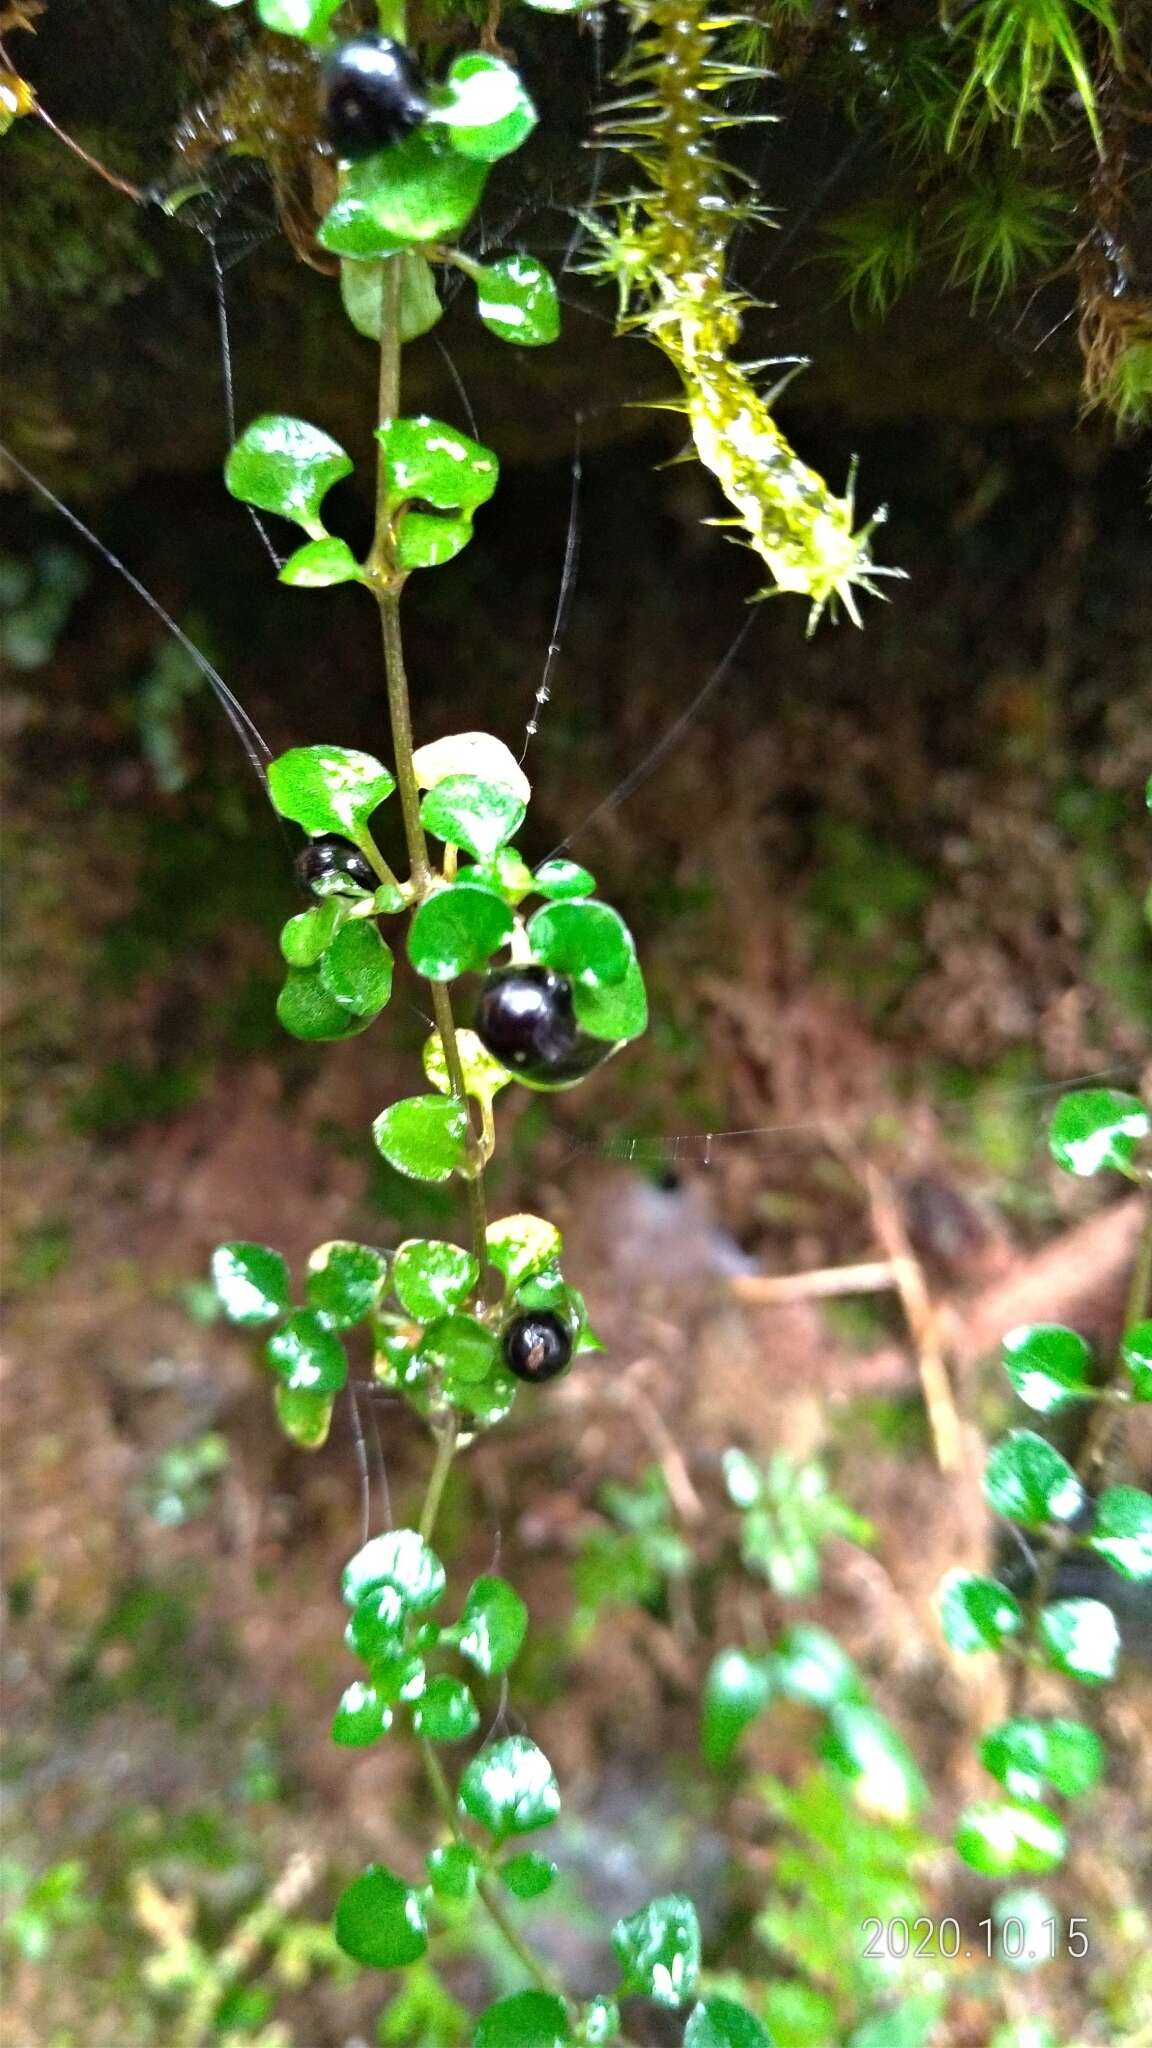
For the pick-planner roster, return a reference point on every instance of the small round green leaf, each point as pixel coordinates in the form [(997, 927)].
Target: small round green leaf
[(529, 2019), (305, 1355), (453, 1870), (380, 1921), (463, 810), (328, 789), (720, 2023), (585, 940), (305, 937), (306, 1010), (445, 1711), (558, 879), (486, 110), (505, 871), (737, 1689), (356, 970), (862, 1744), (658, 1950), (1048, 1365), (251, 1282), (1080, 1638), (284, 465), (308, 19), (457, 929), (304, 1417), (1003, 1838), (516, 299), (977, 1613), (432, 1277), (375, 1631), (418, 191), (1095, 1129), (461, 1350), (350, 229), (1122, 1531), (809, 1665), (402, 1560), (363, 288), (521, 1246), (1027, 1480), (483, 1076), (321, 563), (615, 1014), (345, 1282), (1136, 1352), (1027, 1754), (361, 1717), (528, 1876), (425, 1137), (510, 1788), (491, 1630)]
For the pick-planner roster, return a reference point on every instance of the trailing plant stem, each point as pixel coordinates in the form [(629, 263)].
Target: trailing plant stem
[(486, 1890), (445, 1452)]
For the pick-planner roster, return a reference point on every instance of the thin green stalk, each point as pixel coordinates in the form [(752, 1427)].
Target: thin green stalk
[(445, 1452), (486, 1889)]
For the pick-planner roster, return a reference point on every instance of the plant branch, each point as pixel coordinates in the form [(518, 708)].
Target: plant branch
[(446, 1444), (486, 1890)]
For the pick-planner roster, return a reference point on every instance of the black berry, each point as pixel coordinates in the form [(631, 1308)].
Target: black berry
[(525, 1019), (373, 95), (537, 1345), (331, 866)]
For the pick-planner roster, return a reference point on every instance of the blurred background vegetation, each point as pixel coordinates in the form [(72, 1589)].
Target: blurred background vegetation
[(890, 890)]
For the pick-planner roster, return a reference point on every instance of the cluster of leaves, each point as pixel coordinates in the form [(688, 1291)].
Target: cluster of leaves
[(1035, 1488), (434, 1341)]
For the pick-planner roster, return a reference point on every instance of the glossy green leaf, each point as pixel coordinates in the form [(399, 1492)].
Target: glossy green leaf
[(305, 1355), (977, 1613), (1080, 1638), (461, 1350), (1122, 1531), (376, 1628), (432, 1277), (1003, 1837), (862, 1744), (380, 1921), (737, 1689), (251, 1282), (328, 789), (399, 1675), (453, 1870), (284, 465), (402, 1560), (529, 2019), (558, 879), (492, 1627), (446, 1711), (356, 970), (304, 1417), (418, 191), (426, 459), (809, 1665), (616, 1014), (350, 229), (305, 1008), (457, 929), (483, 1076), (600, 2022), (425, 1137), (361, 1717), (721, 2023), (1048, 1365), (345, 1282), (321, 563), (521, 1246), (1027, 1480), (1097, 1128), (506, 871), (1136, 1353), (470, 753), (586, 940), (658, 1950), (308, 19), (305, 937), (528, 1876), (465, 811), (486, 1401), (516, 299), (364, 286), (1027, 1755), (510, 1788), (485, 109)]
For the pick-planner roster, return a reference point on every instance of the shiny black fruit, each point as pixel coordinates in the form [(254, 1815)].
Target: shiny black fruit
[(331, 866), (525, 1019), (373, 95), (537, 1346)]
